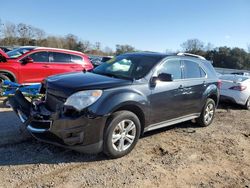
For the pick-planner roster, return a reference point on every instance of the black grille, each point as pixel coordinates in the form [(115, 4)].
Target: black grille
[(53, 102)]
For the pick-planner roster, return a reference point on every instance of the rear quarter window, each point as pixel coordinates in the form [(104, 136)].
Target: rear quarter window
[(76, 59)]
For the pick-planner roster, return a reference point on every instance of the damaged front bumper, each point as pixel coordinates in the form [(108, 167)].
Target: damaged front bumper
[(83, 132)]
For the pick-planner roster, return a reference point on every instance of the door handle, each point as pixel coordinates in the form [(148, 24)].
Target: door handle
[(46, 66)]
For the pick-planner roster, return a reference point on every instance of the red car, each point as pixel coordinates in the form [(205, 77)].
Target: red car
[(32, 64)]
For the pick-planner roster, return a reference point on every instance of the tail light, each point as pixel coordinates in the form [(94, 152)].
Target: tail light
[(219, 84), (238, 88)]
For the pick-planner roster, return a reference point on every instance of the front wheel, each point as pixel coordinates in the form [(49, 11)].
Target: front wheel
[(3, 77), (122, 133), (207, 114), (247, 105)]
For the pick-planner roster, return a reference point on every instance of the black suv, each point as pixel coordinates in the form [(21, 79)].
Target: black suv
[(109, 108)]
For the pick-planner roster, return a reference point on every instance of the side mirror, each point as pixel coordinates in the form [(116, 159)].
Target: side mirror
[(27, 60), (165, 77)]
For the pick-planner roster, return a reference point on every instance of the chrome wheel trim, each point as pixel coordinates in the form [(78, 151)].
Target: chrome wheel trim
[(123, 135), (209, 113), (21, 116)]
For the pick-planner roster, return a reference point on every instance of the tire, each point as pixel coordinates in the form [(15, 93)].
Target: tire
[(247, 105), (3, 77), (122, 127), (207, 114)]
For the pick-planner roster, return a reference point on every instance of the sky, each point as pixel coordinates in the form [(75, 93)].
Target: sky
[(153, 25)]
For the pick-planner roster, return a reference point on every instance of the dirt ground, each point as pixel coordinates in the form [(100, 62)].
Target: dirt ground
[(179, 156)]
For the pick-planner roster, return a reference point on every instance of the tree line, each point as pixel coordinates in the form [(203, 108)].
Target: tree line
[(22, 34), (225, 57)]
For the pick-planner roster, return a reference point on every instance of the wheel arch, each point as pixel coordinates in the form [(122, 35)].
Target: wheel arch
[(212, 92), (10, 74), (136, 110)]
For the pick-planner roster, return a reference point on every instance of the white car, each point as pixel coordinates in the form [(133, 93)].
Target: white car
[(235, 88)]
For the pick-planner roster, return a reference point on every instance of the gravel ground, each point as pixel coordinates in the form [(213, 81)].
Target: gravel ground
[(179, 156)]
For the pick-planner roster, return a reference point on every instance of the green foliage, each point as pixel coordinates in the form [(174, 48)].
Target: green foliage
[(121, 49), (225, 57)]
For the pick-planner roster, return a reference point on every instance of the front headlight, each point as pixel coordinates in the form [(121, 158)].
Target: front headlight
[(83, 99)]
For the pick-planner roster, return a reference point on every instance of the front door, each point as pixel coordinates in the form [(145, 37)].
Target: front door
[(35, 72), (167, 97)]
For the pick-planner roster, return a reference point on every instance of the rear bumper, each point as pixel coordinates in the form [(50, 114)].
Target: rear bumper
[(83, 133), (237, 97)]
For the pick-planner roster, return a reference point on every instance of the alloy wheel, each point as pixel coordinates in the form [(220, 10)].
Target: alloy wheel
[(123, 135), (209, 113)]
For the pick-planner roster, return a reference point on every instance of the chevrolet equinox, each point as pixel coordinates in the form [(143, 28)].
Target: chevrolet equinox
[(108, 109)]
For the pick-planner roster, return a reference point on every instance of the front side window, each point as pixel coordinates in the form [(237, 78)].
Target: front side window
[(40, 57), (60, 57), (192, 70), (171, 67)]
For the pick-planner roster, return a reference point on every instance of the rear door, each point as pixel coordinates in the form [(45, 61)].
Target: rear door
[(194, 86), (62, 63), (36, 71)]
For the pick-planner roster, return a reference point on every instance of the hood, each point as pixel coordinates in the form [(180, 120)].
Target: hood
[(64, 85), (3, 54)]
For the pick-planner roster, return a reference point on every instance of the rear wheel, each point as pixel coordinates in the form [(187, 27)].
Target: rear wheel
[(207, 114), (247, 105), (122, 133)]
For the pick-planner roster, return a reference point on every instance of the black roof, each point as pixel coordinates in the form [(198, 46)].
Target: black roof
[(152, 54)]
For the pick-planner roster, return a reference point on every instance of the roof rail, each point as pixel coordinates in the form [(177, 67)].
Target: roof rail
[(191, 55)]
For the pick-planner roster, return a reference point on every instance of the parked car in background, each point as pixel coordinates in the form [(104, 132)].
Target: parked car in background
[(32, 64), (235, 88), (241, 73), (98, 60), (5, 48), (109, 108)]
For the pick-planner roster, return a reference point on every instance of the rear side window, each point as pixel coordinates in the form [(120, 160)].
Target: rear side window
[(192, 70), (76, 59), (171, 67), (40, 56), (60, 57)]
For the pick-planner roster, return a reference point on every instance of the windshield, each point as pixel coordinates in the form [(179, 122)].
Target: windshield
[(128, 66), (18, 52)]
